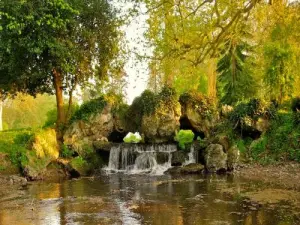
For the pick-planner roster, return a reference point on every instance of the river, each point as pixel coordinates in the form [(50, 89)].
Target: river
[(145, 199)]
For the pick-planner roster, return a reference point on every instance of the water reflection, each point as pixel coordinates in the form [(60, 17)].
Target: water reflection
[(133, 200)]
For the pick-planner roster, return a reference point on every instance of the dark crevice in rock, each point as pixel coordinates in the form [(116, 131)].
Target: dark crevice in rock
[(185, 124), (116, 136)]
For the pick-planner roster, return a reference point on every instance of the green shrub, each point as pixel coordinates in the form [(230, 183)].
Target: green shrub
[(52, 115), (89, 108), (253, 109), (283, 138), (184, 137), (258, 148), (132, 138), (80, 165), (23, 138), (66, 152)]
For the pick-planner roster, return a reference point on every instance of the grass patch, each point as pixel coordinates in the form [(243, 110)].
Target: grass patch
[(15, 144)]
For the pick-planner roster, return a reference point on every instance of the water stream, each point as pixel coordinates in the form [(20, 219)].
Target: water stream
[(139, 159), (118, 198)]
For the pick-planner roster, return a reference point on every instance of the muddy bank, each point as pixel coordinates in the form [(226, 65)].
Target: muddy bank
[(285, 175)]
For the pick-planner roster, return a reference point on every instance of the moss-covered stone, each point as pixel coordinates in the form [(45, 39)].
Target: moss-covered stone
[(44, 150), (200, 111), (6, 166), (215, 158), (193, 168), (45, 144), (81, 166)]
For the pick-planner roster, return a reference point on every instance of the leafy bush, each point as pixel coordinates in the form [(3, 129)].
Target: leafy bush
[(89, 108), (184, 137), (132, 138), (52, 115), (66, 152), (258, 148), (283, 138), (23, 138), (253, 109)]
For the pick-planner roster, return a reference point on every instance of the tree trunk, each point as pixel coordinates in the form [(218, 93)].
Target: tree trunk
[(58, 86), (212, 78), (1, 107)]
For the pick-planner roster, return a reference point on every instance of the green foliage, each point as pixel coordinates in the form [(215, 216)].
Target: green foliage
[(23, 111), (89, 108), (283, 138), (235, 82), (66, 152), (80, 165), (253, 109), (52, 115), (23, 138), (258, 148), (132, 138), (15, 143), (278, 77), (184, 137)]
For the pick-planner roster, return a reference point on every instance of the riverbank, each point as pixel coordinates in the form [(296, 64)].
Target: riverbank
[(283, 174)]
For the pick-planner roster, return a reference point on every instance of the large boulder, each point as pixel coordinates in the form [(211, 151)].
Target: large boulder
[(97, 128), (161, 125), (200, 111), (44, 150), (215, 158)]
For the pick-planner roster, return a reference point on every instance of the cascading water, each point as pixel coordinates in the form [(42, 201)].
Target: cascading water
[(134, 159), (192, 157)]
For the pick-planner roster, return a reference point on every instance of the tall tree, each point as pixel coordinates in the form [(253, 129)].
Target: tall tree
[(236, 81), (53, 45)]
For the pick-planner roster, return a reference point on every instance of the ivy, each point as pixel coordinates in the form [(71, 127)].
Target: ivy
[(89, 108)]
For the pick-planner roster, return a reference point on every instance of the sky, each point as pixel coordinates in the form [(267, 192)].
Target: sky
[(137, 71)]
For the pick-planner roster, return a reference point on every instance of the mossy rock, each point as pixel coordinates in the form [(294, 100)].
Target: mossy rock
[(215, 158), (35, 167), (6, 166), (45, 144), (193, 168), (80, 165)]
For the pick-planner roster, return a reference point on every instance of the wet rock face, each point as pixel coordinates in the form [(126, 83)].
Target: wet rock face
[(161, 125), (97, 128), (215, 159)]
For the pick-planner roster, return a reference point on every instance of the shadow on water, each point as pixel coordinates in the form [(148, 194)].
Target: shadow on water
[(142, 199)]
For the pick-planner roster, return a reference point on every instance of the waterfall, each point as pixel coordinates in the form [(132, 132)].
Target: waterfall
[(192, 157), (136, 159)]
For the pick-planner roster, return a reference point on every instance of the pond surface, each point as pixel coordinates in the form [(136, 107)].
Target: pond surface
[(143, 199)]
